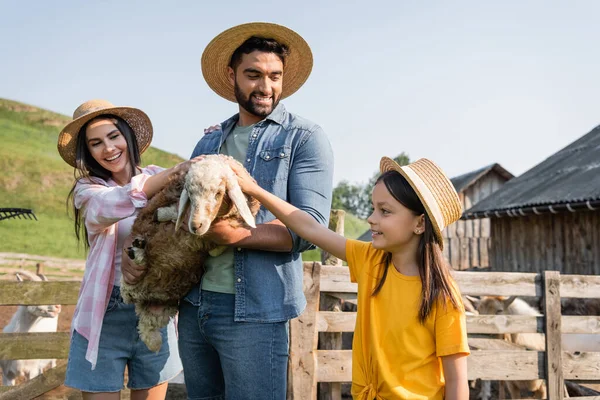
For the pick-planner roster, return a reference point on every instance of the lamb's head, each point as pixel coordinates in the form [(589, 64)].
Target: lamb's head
[(211, 190), (44, 311), (493, 305)]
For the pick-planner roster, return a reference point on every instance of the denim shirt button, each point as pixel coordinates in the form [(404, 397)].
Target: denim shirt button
[(239, 249), (267, 157), (255, 135), (282, 155), (248, 160), (239, 280)]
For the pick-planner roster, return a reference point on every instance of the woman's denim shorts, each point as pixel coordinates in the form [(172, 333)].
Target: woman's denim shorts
[(120, 346)]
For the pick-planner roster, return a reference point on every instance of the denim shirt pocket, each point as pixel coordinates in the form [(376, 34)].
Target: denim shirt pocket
[(273, 164)]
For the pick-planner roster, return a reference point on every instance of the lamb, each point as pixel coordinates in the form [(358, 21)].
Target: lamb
[(174, 257), (36, 318)]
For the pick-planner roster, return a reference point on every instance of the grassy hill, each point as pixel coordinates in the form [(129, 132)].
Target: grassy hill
[(34, 176)]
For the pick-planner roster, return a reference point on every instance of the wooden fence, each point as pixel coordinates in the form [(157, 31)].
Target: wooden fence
[(310, 365)]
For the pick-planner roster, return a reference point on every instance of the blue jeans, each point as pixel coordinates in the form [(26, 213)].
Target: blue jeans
[(224, 359), (120, 347)]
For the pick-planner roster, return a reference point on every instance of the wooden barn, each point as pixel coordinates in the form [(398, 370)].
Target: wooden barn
[(549, 217), (466, 242)]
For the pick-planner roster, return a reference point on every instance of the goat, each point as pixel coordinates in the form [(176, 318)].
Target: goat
[(530, 341), (174, 258), (29, 319)]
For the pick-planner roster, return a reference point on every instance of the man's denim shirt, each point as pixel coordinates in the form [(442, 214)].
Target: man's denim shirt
[(292, 158)]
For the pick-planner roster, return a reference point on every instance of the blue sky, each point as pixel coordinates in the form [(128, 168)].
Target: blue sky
[(464, 83)]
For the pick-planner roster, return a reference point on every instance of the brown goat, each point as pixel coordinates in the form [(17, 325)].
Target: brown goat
[(174, 257)]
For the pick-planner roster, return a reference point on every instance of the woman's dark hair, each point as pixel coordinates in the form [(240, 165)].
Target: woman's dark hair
[(261, 44), (89, 168), (436, 281)]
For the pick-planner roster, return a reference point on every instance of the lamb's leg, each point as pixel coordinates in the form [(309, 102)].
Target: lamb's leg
[(164, 214), (136, 252), (151, 320)]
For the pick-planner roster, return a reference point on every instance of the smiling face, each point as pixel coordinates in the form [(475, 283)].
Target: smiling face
[(393, 226), (257, 82), (108, 147)]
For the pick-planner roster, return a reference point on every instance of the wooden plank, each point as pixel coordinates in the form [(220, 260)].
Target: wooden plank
[(507, 365), (302, 382), (336, 224), (334, 365), (38, 385), (32, 293), (474, 260), (330, 341), (493, 344), (484, 258), (336, 279), (554, 371), (454, 246), (581, 366), (497, 324), (499, 283), (27, 346), (580, 324), (330, 321), (580, 286)]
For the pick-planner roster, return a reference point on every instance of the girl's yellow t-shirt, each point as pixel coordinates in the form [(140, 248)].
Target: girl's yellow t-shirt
[(394, 356)]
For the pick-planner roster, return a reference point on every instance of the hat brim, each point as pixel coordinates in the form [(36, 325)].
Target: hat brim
[(217, 56), (137, 119), (387, 164)]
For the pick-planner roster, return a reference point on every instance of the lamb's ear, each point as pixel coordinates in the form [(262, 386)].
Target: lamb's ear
[(239, 199), (184, 204)]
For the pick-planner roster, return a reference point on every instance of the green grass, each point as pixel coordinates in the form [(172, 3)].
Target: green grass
[(34, 176)]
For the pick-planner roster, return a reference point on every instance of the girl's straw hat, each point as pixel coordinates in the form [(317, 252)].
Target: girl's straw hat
[(137, 120), (433, 188), (217, 56)]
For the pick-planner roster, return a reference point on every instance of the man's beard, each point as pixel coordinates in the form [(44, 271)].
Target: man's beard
[(248, 105)]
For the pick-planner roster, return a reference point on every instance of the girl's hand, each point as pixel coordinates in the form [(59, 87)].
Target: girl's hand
[(247, 183)]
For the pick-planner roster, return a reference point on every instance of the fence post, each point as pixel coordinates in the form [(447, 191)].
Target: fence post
[(331, 341), (302, 365), (554, 373)]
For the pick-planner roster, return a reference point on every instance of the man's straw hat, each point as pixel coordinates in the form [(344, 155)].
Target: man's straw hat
[(137, 120), (217, 56), (433, 188)]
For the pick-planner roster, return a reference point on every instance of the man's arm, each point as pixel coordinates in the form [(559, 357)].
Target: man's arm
[(309, 189)]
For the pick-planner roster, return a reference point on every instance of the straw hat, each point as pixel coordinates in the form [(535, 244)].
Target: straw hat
[(433, 188), (137, 120), (217, 56)]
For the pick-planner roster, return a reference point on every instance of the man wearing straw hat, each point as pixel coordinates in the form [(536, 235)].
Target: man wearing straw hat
[(233, 327)]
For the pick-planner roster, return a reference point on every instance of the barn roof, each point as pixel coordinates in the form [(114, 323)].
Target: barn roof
[(464, 181), (567, 180)]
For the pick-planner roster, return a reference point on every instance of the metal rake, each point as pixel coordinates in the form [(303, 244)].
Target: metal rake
[(21, 213)]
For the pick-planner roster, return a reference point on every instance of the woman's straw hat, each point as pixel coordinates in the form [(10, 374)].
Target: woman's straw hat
[(217, 56), (433, 188), (137, 120)]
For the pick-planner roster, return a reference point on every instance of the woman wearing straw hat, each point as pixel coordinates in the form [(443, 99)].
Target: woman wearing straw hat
[(104, 143), (233, 336), (421, 351)]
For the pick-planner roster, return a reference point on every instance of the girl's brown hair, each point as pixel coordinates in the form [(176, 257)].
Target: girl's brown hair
[(437, 285)]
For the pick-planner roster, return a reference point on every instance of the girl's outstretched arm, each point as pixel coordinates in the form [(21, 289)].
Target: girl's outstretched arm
[(455, 374), (295, 219)]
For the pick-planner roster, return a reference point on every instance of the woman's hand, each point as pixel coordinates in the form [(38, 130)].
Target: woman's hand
[(247, 183)]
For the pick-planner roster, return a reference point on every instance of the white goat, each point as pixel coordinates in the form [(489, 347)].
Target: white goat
[(174, 257), (29, 319)]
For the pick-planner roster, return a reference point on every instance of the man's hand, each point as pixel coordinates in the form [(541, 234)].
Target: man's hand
[(132, 273), (222, 233)]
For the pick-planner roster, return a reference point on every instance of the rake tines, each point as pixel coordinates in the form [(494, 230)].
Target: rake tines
[(20, 213)]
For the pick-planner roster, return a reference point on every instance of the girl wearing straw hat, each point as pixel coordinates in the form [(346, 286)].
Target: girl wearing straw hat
[(104, 143), (410, 339)]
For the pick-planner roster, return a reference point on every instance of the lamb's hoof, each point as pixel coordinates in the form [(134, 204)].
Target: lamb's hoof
[(139, 243), (131, 253)]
